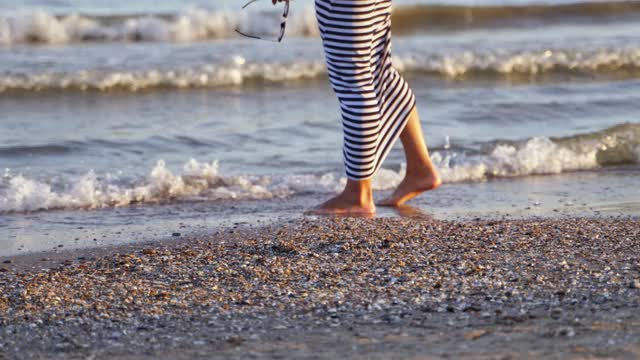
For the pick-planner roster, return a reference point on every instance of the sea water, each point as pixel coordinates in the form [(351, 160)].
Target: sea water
[(122, 121)]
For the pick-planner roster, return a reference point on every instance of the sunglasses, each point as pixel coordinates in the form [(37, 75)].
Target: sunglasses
[(283, 24)]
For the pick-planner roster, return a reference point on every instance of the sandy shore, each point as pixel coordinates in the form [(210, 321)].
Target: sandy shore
[(337, 288)]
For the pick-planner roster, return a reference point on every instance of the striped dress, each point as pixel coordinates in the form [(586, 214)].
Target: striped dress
[(375, 100)]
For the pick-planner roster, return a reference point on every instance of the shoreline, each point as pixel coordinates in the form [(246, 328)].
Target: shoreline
[(577, 194), (340, 287), (50, 259)]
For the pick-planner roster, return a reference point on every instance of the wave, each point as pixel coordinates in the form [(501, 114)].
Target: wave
[(239, 71), (198, 181), (200, 24), (204, 182), (504, 63), (409, 19), (19, 150), (40, 27), (617, 145)]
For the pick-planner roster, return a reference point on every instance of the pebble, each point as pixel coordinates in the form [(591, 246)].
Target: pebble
[(331, 269), (150, 252), (567, 331), (475, 334), (235, 340)]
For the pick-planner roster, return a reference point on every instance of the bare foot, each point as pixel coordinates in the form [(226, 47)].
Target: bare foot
[(346, 205), (412, 186)]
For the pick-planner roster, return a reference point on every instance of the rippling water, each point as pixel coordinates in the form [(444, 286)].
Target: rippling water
[(158, 112)]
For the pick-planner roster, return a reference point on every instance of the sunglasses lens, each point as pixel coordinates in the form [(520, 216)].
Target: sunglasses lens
[(265, 25)]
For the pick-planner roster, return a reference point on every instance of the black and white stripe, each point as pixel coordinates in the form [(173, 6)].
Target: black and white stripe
[(375, 100)]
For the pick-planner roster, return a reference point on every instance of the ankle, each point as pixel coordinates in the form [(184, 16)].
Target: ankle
[(420, 171), (359, 193), (360, 198), (365, 199)]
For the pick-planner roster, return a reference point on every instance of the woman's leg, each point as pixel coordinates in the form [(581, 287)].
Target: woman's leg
[(421, 175), (355, 199)]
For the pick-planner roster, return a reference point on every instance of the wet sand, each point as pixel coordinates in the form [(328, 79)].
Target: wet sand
[(337, 288)]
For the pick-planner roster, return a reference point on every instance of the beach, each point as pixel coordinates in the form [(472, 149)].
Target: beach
[(155, 167), (338, 287), (122, 123)]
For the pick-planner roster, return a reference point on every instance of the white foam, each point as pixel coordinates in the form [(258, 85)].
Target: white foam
[(192, 24), (525, 62), (197, 181), (203, 181), (236, 70), (537, 156)]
